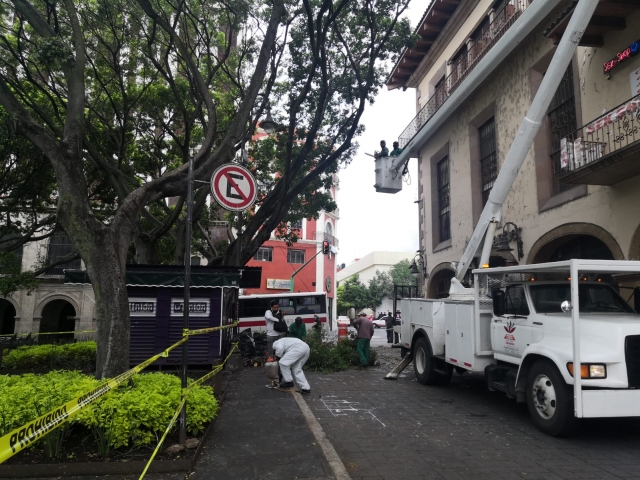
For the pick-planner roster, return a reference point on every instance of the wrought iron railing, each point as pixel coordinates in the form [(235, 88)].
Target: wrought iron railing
[(610, 132), (474, 51)]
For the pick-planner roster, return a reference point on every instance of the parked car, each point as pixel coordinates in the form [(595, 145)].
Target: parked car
[(380, 323)]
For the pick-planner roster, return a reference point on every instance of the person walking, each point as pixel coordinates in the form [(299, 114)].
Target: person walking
[(298, 329), (389, 324), (272, 316), (292, 353), (365, 332)]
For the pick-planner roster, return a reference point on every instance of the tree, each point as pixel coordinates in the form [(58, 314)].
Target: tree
[(380, 286), (117, 94), (352, 293), (401, 274)]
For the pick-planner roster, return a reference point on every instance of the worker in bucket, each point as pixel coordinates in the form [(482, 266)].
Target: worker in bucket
[(384, 152), (292, 353)]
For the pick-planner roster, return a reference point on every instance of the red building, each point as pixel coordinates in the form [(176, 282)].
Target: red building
[(279, 261)]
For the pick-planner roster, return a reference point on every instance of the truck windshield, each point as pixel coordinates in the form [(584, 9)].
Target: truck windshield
[(593, 298)]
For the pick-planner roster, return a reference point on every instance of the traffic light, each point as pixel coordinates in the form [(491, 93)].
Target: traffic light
[(325, 247)]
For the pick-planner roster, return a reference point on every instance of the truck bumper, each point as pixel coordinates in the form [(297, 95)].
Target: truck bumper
[(610, 403)]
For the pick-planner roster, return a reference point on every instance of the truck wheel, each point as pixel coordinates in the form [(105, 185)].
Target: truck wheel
[(423, 363), (550, 400)]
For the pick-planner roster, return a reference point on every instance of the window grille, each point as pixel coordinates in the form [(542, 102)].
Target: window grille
[(562, 122), (60, 247), (264, 254), (295, 256), (488, 157), (444, 205)]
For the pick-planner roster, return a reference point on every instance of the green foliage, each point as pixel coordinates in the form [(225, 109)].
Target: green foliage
[(353, 293), (134, 414), (326, 355), (401, 274), (78, 355)]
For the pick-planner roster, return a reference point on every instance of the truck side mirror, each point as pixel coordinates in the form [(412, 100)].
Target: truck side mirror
[(499, 303), (636, 299)]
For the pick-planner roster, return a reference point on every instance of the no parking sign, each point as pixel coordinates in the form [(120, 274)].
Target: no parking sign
[(233, 187)]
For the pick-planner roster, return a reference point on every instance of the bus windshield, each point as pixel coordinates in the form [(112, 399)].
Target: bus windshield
[(593, 298)]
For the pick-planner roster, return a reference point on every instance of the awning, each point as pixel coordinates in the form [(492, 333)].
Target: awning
[(173, 276)]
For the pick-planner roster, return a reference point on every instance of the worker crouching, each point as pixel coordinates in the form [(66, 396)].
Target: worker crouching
[(293, 354)]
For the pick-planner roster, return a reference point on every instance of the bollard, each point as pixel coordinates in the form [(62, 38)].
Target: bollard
[(343, 331)]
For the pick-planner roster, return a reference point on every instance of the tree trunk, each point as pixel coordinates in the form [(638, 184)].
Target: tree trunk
[(107, 273)]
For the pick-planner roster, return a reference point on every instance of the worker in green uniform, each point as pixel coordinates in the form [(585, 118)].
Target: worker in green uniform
[(297, 329), (396, 149)]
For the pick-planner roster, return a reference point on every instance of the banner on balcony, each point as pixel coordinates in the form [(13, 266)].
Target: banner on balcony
[(628, 108), (564, 154)]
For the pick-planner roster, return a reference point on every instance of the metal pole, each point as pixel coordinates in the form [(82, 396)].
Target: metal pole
[(575, 331), (187, 288), (304, 265)]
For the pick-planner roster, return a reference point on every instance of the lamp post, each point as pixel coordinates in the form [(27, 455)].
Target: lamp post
[(187, 290), (510, 235)]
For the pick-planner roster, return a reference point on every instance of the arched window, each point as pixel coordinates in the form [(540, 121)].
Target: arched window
[(328, 230)]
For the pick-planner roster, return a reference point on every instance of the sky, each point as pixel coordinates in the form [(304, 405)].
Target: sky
[(371, 221)]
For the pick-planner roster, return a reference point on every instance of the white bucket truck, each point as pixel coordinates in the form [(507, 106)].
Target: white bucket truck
[(557, 335), (526, 328)]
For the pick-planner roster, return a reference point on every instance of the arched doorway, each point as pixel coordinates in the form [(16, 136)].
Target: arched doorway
[(7, 317), (585, 247), (440, 281), (57, 316), (575, 240)]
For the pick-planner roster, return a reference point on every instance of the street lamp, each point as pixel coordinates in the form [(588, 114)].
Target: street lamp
[(269, 126), (510, 235), (421, 262)]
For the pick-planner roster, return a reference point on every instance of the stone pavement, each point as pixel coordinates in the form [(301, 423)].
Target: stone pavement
[(260, 433), (400, 429)]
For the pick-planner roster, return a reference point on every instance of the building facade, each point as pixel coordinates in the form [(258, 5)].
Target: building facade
[(368, 266), (576, 193)]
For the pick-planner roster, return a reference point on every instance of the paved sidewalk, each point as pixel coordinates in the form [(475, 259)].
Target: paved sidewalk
[(260, 433), (400, 429)]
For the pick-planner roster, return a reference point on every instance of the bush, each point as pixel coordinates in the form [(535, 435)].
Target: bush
[(327, 355), (134, 414), (72, 356)]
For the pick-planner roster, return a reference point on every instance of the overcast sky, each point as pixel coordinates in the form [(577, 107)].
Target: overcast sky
[(371, 221)]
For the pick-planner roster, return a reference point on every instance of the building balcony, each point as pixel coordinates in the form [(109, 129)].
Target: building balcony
[(464, 62), (606, 151)]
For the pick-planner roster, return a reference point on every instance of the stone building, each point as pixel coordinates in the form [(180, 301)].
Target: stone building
[(475, 69), (52, 306)]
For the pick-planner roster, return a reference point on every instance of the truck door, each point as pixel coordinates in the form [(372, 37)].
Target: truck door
[(511, 333)]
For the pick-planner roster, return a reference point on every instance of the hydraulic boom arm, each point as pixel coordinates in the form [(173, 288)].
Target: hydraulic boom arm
[(527, 132)]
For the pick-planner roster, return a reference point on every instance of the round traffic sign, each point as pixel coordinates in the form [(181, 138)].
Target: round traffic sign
[(233, 187)]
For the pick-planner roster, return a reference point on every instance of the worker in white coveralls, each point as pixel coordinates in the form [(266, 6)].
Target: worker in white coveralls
[(293, 353)]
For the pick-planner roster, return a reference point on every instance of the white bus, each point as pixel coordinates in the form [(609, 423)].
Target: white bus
[(306, 305)]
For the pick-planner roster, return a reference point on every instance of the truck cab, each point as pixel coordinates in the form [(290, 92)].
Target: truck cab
[(525, 327)]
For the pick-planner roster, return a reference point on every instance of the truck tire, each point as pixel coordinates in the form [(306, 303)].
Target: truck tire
[(550, 400), (423, 365)]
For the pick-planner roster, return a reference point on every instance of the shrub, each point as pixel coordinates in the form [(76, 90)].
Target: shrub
[(135, 414), (327, 355), (70, 356)]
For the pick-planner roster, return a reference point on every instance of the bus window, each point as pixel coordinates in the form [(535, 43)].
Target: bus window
[(253, 307), (287, 306), (308, 305)]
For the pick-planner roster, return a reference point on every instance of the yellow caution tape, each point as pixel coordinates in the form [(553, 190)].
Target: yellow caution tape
[(166, 432), (44, 333), (200, 331), (22, 437), (202, 379)]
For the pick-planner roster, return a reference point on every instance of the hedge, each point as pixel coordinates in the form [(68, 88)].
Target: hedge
[(135, 414), (70, 356), (326, 355)]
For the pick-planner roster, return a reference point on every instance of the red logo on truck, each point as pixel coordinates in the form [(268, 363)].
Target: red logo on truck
[(510, 328)]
